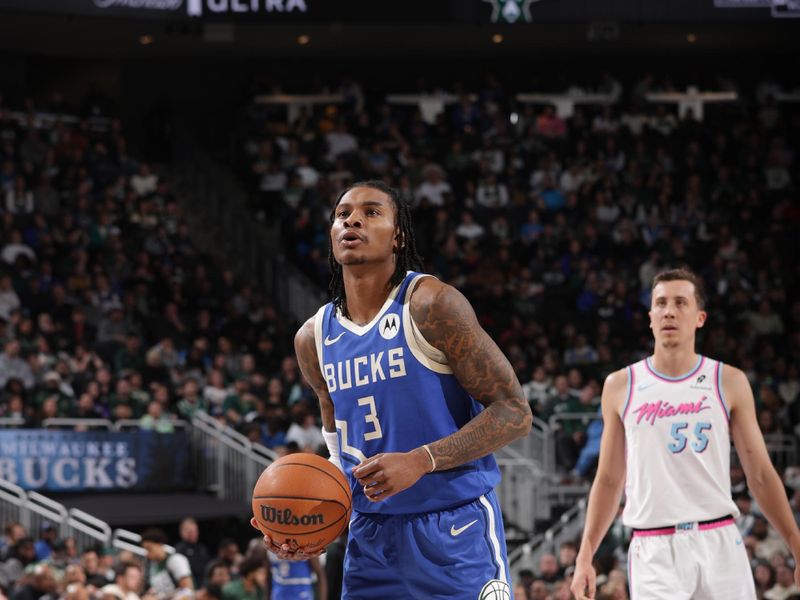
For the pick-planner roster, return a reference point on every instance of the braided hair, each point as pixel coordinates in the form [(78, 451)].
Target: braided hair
[(406, 257)]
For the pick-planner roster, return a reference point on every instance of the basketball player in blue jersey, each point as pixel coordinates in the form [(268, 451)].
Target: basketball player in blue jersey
[(668, 422), (415, 397), (291, 579)]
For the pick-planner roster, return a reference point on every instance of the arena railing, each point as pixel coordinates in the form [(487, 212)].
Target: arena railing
[(45, 120), (538, 445), (216, 207), (124, 424), (31, 509), (61, 423), (226, 462), (11, 422), (522, 492), (568, 527), (782, 449)]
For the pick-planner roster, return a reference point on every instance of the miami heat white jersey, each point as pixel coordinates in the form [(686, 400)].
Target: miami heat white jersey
[(677, 445)]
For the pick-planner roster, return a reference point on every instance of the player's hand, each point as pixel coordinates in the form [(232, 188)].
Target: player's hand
[(583, 581), (290, 551), (385, 475)]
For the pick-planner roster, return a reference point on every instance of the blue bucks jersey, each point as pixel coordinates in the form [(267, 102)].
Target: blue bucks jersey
[(394, 392), (291, 579)]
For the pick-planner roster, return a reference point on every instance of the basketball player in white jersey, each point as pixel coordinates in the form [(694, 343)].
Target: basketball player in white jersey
[(668, 424)]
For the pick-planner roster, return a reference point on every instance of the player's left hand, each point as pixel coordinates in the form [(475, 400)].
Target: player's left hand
[(290, 550), (387, 474)]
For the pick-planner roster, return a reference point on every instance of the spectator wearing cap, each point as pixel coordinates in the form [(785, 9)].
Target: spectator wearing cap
[(252, 582), (48, 533), (165, 574)]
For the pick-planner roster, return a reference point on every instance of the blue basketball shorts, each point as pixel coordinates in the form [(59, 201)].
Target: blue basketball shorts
[(444, 555), (292, 592)]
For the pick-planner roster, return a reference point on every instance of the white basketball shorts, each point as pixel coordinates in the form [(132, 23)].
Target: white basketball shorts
[(690, 561)]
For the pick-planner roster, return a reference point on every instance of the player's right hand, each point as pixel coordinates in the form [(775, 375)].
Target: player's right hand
[(290, 551), (583, 581)]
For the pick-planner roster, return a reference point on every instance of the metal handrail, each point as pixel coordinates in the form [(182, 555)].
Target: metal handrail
[(68, 422), (31, 509), (121, 423), (88, 525), (122, 539), (574, 416), (534, 545), (12, 422)]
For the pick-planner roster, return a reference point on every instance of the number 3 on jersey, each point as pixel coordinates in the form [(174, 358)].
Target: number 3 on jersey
[(371, 418), (698, 445)]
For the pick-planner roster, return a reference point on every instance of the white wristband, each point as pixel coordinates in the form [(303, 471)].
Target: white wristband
[(332, 442)]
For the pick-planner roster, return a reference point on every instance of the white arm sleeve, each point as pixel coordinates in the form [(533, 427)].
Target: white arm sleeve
[(332, 442)]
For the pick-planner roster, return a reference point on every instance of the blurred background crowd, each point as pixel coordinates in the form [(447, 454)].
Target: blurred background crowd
[(552, 227)]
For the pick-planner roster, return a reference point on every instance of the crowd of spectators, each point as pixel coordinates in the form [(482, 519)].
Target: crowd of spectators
[(107, 309), (554, 228), (54, 567)]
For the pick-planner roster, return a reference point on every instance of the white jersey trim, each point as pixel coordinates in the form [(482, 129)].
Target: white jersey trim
[(318, 336), (495, 541), (720, 392), (362, 329), (427, 355), (629, 395)]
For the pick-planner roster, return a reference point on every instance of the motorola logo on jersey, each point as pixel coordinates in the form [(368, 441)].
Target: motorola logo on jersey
[(363, 370), (389, 326), (696, 385)]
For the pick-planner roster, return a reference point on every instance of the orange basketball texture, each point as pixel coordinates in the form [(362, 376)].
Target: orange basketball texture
[(302, 497)]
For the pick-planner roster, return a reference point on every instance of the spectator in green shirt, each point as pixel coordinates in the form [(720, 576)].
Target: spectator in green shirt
[(156, 420), (252, 582)]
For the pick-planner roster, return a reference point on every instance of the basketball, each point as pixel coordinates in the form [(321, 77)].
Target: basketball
[(495, 590), (302, 498)]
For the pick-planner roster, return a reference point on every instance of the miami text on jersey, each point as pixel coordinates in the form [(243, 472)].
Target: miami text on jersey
[(650, 411)]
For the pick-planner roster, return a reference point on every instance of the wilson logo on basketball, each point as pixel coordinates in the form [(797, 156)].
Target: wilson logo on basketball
[(271, 514)]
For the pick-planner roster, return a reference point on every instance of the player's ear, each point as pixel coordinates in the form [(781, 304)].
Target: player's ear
[(399, 240), (701, 318)]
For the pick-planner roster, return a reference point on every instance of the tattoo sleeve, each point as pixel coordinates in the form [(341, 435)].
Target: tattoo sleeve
[(447, 321), (306, 350)]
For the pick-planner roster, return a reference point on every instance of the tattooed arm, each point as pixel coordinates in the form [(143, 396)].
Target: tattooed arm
[(306, 349), (447, 321)]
